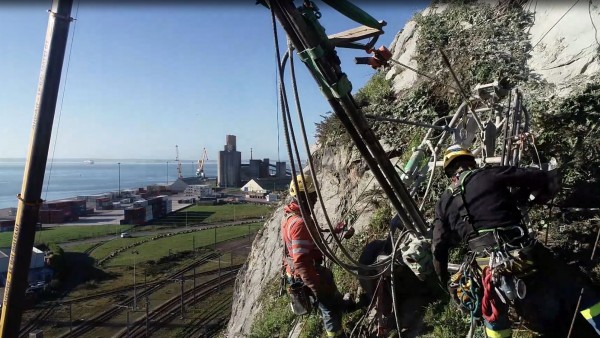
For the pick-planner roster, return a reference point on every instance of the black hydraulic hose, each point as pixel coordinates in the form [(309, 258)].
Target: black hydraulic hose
[(371, 162), (505, 141), (411, 123), (387, 168), (304, 210), (332, 75), (514, 132), (313, 172)]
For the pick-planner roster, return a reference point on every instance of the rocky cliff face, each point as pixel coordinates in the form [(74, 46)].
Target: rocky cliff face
[(564, 39), (342, 177), (567, 54), (562, 57)]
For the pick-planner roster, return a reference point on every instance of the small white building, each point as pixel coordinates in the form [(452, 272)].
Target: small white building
[(253, 186), (199, 191), (36, 267), (267, 184)]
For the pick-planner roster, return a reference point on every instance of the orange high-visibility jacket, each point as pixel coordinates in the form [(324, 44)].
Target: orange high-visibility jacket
[(302, 251)]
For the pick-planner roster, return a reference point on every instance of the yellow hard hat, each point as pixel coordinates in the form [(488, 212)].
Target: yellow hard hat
[(455, 151), (303, 185)]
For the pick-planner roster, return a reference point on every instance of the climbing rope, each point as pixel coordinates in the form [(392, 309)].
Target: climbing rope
[(489, 309), (430, 182)]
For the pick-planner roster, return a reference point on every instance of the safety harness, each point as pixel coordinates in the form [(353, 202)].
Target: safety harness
[(300, 294), (498, 259)]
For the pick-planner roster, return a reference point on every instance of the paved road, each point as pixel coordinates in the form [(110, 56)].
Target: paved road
[(154, 232)]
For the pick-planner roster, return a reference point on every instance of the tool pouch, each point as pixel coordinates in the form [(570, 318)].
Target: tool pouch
[(300, 298)]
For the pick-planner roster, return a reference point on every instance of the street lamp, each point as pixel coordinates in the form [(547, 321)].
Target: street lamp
[(167, 172), (119, 163), (135, 253)]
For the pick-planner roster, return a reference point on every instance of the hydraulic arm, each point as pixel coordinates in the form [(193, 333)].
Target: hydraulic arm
[(314, 48)]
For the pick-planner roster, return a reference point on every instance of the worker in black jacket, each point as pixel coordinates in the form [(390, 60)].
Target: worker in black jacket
[(478, 208)]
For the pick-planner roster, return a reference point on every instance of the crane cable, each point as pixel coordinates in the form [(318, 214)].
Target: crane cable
[(62, 100)]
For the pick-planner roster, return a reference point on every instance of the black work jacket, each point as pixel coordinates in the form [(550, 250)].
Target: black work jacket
[(490, 205)]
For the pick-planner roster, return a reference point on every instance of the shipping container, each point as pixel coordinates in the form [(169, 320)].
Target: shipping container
[(140, 203), (148, 213), (51, 216), (135, 213)]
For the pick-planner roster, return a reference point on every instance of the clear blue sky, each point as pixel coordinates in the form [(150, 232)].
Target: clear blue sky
[(142, 79)]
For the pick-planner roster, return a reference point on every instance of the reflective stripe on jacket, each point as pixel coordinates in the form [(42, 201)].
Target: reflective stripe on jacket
[(302, 251)]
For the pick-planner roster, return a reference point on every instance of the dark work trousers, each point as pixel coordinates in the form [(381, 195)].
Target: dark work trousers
[(331, 304), (552, 294)]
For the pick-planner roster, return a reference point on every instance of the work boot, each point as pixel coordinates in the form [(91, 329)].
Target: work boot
[(349, 303), (363, 300)]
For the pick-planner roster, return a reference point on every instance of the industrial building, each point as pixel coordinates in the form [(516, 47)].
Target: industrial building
[(232, 173), (229, 163), (181, 184), (199, 191)]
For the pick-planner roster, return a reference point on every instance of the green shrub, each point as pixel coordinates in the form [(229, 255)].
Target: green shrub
[(569, 129), (312, 326), (446, 320), (276, 317)]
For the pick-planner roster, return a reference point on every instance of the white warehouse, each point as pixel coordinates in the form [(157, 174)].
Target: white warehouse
[(199, 191)]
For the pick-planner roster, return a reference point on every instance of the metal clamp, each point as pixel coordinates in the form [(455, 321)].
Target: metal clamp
[(59, 16)]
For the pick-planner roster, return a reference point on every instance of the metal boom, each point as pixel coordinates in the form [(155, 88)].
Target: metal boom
[(33, 177)]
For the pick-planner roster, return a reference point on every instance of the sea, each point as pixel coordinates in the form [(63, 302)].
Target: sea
[(70, 178)]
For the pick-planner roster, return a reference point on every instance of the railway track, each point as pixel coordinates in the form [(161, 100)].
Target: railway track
[(104, 316), (204, 326), (170, 310), (44, 314), (123, 289), (38, 319)]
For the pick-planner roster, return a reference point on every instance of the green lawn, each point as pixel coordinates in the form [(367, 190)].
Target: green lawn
[(155, 249), (215, 213), (61, 234)]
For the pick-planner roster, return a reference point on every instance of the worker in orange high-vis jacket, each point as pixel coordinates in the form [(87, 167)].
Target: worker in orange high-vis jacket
[(303, 263)]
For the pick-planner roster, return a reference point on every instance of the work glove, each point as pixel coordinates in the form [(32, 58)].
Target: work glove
[(545, 195)]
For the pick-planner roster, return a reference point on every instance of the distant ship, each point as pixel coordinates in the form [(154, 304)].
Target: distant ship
[(88, 162)]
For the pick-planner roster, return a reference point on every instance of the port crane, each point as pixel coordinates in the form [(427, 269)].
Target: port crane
[(201, 162), (179, 174)]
